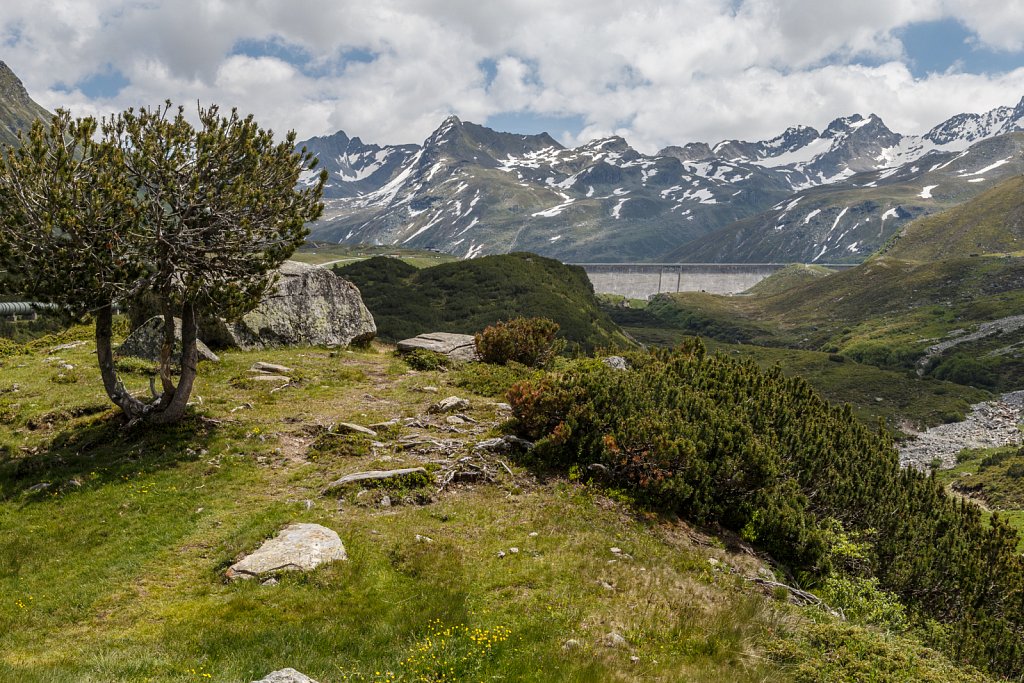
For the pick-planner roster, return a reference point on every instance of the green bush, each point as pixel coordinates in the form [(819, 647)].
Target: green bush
[(492, 380), (964, 369), (718, 441), (993, 459), (863, 602), (426, 360), (528, 341)]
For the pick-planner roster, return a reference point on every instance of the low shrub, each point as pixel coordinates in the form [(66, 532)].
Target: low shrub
[(863, 602), (994, 459), (528, 341), (426, 360), (492, 380), (719, 441), (1015, 471)]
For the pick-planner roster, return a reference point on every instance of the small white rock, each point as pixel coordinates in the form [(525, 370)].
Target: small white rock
[(614, 639)]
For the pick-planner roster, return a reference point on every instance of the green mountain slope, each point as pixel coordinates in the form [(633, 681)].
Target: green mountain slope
[(17, 110), (993, 223), (940, 301), (791, 276), (466, 296)]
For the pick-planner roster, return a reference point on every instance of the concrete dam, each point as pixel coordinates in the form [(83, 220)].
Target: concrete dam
[(643, 280)]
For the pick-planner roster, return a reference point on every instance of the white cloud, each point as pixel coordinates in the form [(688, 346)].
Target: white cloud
[(657, 71)]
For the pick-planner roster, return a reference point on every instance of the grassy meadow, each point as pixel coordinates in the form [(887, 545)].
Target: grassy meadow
[(114, 540)]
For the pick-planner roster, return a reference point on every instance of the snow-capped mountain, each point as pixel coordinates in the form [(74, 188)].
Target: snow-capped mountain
[(469, 190), (354, 167), (847, 221), (968, 128)]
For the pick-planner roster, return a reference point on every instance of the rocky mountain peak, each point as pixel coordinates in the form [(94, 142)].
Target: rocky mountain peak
[(612, 143), (693, 151), (847, 125), (11, 87), (793, 138), (967, 128)]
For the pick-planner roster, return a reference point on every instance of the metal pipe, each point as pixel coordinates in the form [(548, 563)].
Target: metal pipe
[(24, 307)]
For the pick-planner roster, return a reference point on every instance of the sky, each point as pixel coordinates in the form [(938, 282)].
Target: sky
[(657, 72)]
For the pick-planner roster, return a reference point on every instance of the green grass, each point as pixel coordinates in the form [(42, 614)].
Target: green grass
[(114, 572), (886, 313), (992, 223), (319, 253), (899, 397), (789, 277), (985, 477)]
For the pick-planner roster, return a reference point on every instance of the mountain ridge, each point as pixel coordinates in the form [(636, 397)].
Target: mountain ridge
[(470, 190), (17, 109)]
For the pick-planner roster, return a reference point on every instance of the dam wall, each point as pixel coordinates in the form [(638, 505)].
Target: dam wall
[(644, 280)]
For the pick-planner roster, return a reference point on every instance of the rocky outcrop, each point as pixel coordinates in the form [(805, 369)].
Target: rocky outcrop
[(299, 547), (374, 476), (459, 347), (147, 340), (1001, 326), (310, 306)]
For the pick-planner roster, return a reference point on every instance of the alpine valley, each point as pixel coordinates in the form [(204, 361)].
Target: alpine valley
[(834, 196)]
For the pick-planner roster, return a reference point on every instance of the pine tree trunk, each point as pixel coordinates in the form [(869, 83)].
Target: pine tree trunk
[(174, 409), (166, 354), (117, 392)]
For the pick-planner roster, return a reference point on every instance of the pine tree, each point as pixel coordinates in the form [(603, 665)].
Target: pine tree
[(199, 217)]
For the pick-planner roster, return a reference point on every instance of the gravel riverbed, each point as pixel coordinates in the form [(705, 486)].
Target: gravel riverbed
[(988, 425)]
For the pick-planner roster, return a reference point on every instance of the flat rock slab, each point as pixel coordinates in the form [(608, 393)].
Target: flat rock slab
[(286, 676), (373, 475), (503, 444), (269, 368), (455, 346), (298, 547), (348, 427), (270, 378), (448, 405)]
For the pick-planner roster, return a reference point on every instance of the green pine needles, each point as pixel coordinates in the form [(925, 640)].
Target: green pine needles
[(94, 214), (719, 441)]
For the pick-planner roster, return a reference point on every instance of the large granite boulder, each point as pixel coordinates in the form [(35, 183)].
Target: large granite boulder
[(456, 346), (147, 340), (310, 306), (298, 547)]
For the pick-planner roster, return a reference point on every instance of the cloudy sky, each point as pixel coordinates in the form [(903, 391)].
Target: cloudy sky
[(655, 71)]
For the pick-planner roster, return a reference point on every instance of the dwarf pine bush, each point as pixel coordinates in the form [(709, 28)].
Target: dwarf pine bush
[(528, 341), (720, 441)]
